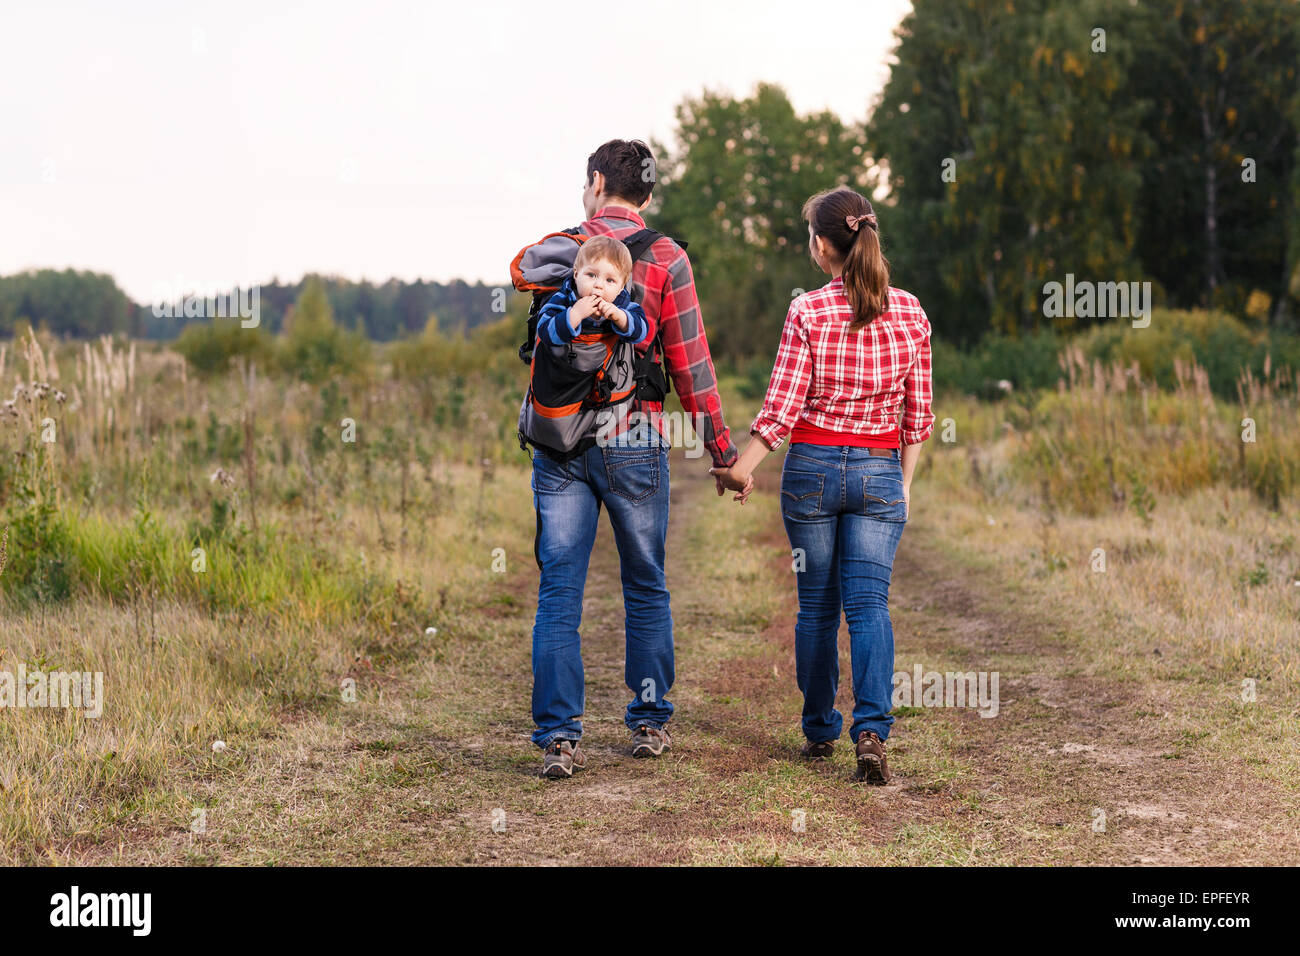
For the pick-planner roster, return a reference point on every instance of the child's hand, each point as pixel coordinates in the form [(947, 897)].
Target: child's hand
[(583, 308), (608, 310)]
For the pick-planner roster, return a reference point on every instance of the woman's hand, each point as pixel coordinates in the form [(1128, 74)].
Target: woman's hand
[(907, 500)]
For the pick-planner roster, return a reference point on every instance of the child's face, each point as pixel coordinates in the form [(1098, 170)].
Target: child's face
[(599, 276)]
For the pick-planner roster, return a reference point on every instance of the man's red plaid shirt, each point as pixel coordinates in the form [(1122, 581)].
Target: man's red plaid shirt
[(666, 288), (858, 382)]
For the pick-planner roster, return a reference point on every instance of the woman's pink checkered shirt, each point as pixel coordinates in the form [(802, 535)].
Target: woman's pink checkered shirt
[(856, 382)]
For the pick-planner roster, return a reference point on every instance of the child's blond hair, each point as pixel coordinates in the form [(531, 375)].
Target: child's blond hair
[(607, 248)]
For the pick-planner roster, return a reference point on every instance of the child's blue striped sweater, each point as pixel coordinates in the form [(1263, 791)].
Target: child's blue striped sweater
[(553, 320)]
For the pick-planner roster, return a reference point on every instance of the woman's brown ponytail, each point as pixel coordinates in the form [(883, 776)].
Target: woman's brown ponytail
[(843, 217)]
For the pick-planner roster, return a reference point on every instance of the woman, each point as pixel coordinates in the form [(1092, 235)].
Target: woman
[(852, 354)]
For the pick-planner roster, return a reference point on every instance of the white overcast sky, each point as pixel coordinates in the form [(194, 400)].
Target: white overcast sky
[(173, 143)]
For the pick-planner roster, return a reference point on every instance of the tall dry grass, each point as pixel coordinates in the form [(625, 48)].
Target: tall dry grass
[(225, 557), (1109, 439)]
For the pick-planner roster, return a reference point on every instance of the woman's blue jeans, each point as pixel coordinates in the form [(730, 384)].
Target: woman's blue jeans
[(629, 476), (844, 513)]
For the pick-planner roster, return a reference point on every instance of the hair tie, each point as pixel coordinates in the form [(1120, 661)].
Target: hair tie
[(854, 221)]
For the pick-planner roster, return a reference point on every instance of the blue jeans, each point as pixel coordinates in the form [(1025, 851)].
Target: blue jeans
[(843, 511), (630, 477)]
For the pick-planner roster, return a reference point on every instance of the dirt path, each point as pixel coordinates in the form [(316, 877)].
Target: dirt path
[(1077, 768), (435, 766)]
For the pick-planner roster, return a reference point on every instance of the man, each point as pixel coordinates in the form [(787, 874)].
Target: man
[(627, 471)]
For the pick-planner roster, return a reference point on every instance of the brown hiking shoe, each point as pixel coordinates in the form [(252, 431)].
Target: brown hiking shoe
[(562, 758), (821, 750), (650, 741), (872, 765)]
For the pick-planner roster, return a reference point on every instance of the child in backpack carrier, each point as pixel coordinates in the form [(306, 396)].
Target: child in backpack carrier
[(595, 298)]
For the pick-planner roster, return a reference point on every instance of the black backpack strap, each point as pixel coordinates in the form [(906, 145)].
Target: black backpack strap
[(651, 376), (530, 339), (643, 239), (640, 241)]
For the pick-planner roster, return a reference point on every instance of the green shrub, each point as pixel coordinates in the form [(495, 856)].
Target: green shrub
[(1220, 343), (41, 567), (1026, 362), (315, 349), (210, 347), (435, 352)]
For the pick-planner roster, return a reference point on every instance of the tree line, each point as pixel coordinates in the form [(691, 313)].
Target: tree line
[(1016, 143), (81, 304)]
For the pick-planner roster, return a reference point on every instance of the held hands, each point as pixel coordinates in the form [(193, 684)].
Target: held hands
[(730, 478)]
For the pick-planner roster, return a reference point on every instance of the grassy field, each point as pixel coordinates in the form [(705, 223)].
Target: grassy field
[(317, 650)]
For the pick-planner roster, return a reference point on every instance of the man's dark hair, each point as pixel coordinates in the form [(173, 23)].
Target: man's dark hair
[(628, 167)]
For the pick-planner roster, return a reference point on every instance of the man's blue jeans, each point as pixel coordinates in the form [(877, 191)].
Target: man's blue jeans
[(630, 477), (843, 511)]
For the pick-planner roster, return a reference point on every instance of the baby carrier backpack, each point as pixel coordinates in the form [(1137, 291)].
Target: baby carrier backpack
[(575, 387)]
